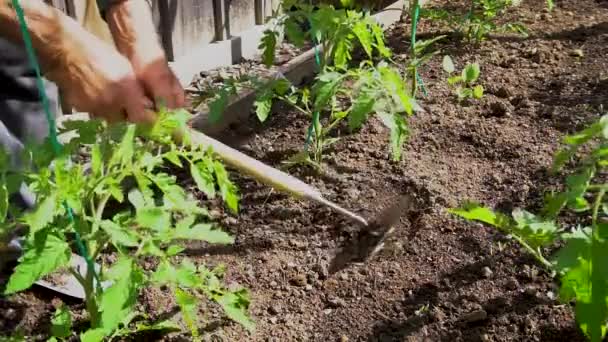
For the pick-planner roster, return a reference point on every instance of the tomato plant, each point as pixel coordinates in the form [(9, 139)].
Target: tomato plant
[(121, 198), (464, 84), (579, 262)]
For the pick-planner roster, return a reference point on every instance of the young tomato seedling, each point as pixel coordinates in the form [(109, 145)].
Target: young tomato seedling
[(579, 263), (464, 84), (123, 199)]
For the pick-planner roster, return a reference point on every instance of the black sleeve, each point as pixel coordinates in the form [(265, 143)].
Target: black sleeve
[(103, 7)]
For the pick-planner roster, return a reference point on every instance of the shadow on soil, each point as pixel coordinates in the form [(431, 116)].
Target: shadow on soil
[(429, 294)]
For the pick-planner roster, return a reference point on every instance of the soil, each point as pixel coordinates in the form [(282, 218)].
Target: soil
[(438, 278)]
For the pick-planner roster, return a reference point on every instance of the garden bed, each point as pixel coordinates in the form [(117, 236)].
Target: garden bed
[(438, 278)]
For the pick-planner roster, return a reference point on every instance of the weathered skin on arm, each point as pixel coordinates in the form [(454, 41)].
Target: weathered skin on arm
[(92, 74)]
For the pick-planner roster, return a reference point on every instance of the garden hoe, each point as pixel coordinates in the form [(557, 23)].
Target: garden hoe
[(365, 243)]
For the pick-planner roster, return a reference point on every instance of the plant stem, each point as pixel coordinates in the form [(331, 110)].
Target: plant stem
[(539, 257)]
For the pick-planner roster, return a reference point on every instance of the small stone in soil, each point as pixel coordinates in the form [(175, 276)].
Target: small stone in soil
[(512, 284), (475, 316), (343, 338), (344, 276), (327, 311), (499, 109), (273, 284), (299, 280), (308, 288), (274, 310), (322, 270), (274, 320), (486, 272), (530, 291), (336, 302)]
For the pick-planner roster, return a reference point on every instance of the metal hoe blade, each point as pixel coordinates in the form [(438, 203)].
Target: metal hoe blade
[(370, 239)]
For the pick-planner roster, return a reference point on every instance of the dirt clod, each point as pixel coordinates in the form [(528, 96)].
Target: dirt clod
[(474, 316)]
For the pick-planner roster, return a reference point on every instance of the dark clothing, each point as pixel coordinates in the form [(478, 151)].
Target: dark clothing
[(22, 117)]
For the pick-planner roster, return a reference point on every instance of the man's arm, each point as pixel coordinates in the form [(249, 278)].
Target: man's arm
[(46, 27), (93, 76)]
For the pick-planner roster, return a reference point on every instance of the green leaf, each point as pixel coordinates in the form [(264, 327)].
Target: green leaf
[(93, 335), (478, 92), (125, 151), (361, 30), (189, 308), (364, 104), (204, 232), (203, 178), (294, 32), (38, 261), (454, 79), (174, 250), (174, 157), (227, 188), (43, 215), (61, 323), (473, 211), (378, 33), (154, 218), (119, 235), (399, 132), (136, 199), (268, 46), (325, 88), (119, 300), (235, 305), (263, 105), (534, 230), (471, 73), (96, 160), (448, 64), (3, 201), (218, 105)]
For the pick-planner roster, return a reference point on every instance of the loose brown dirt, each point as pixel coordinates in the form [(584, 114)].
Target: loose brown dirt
[(438, 278)]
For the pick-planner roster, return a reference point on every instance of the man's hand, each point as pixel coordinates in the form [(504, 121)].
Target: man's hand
[(135, 36), (97, 79)]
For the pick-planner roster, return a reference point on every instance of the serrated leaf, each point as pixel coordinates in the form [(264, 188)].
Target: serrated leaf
[(471, 73), (294, 32), (118, 300), (235, 306), (120, 236), (534, 230), (3, 201), (361, 30), (204, 232), (268, 46), (154, 218), (218, 105), (96, 160), (93, 335), (262, 105), (476, 212), (454, 79), (448, 64), (227, 188), (203, 178), (478, 91), (364, 104), (325, 88), (174, 250), (38, 261), (43, 215), (61, 323), (399, 132), (174, 157), (124, 153), (188, 306)]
